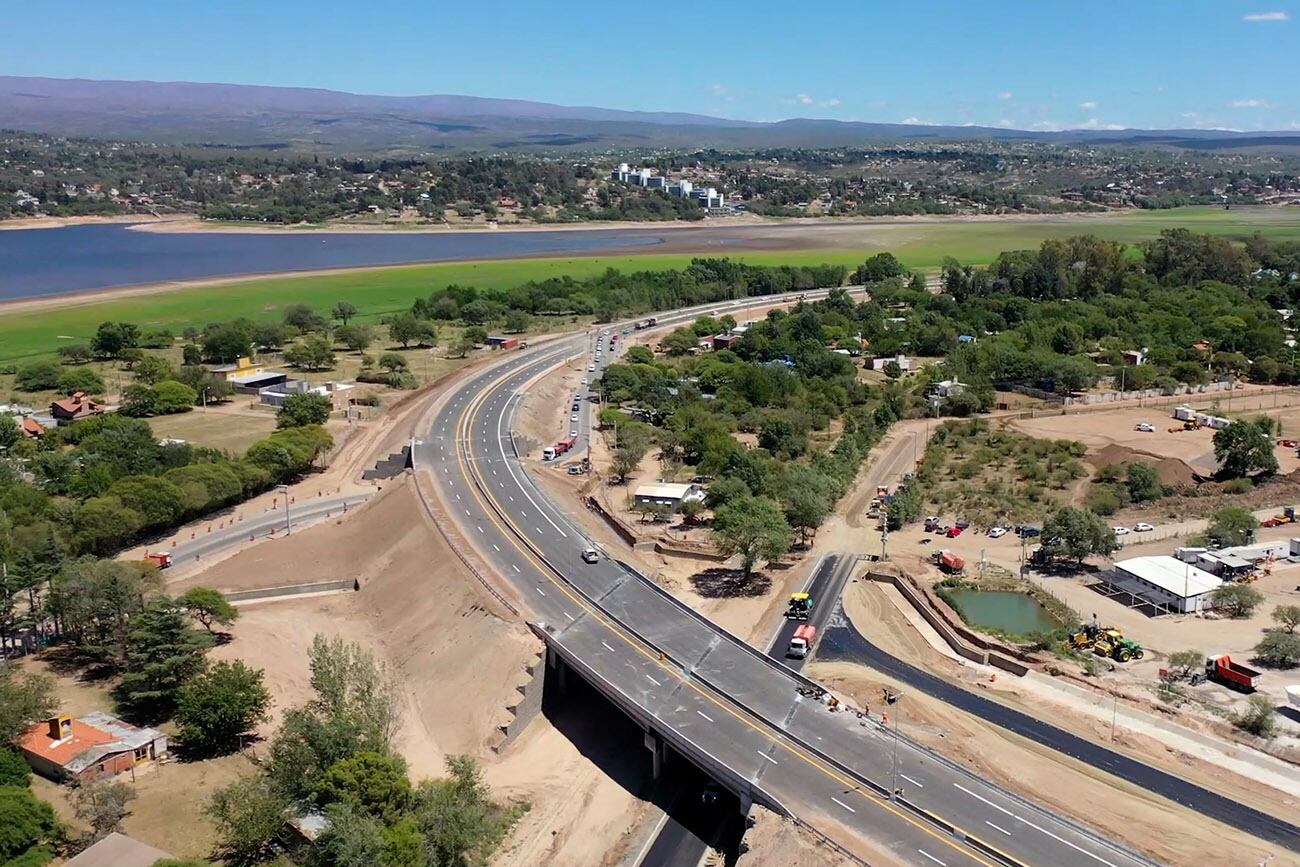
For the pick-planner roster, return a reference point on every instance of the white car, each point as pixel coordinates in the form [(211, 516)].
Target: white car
[(591, 368), (1145, 427), (1143, 527), (1122, 531), (573, 417), (589, 555), (997, 532), (584, 380)]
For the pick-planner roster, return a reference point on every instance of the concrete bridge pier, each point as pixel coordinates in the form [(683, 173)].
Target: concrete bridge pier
[(658, 754), (558, 670)]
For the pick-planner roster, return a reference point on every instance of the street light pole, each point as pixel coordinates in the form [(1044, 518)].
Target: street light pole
[(288, 525), (893, 788)]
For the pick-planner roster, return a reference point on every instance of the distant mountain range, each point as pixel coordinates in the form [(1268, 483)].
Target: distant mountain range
[(306, 118)]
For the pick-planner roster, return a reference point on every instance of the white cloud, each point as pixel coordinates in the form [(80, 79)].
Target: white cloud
[(1046, 125), (1191, 115), (718, 89), (1266, 16), (914, 121), (1252, 103), (804, 99), (830, 103), (1091, 103), (1004, 122), (1006, 94)]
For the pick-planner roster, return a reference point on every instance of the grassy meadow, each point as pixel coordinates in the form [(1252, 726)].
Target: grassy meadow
[(381, 291)]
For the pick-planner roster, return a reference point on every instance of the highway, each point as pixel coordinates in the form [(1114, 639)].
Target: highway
[(732, 703)]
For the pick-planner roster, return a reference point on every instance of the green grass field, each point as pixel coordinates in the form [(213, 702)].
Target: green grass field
[(381, 291)]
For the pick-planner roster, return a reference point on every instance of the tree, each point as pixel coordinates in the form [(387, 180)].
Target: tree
[(102, 806), (1236, 600), (171, 397), (463, 346), (1281, 649), (1258, 718), (208, 606), (352, 838), (357, 338), (1288, 616), (81, 379), (374, 783), (215, 708), (1184, 662), (1245, 447), (76, 353), (138, 402), (633, 442), (163, 651), (153, 369), (302, 317), (111, 338), (392, 362), (878, 268), (10, 433), (354, 710), (25, 699), (312, 353), (303, 409), (26, 825), (680, 341), (639, 355), (1143, 482), (517, 321), (343, 311), (226, 341), (37, 376), (753, 528), (407, 328), (1232, 525), (1077, 533), (249, 814), (13, 769), (457, 816)]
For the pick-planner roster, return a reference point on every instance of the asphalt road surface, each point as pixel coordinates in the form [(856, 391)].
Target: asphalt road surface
[(825, 588), (726, 699), (307, 511)]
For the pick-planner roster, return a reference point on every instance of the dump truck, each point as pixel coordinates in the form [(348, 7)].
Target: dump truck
[(162, 559), (801, 642), (1233, 675), (564, 445), (800, 606), (949, 562)]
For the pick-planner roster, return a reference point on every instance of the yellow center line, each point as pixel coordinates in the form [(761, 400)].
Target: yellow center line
[(468, 416)]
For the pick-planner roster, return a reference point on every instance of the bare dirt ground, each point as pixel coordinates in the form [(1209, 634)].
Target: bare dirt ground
[(1168, 832), (777, 842)]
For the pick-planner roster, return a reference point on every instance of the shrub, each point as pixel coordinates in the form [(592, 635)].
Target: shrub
[(1280, 649), (1237, 600), (37, 376), (1258, 719)]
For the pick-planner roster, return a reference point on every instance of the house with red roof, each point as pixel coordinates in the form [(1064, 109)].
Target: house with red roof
[(78, 406), (89, 747)]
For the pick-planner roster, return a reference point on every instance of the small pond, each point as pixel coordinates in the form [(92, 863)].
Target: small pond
[(1007, 610)]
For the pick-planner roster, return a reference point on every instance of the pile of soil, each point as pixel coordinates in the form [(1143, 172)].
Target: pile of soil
[(1172, 471)]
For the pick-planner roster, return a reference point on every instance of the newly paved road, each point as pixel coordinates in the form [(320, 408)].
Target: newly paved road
[(730, 702), (198, 545), (825, 588)]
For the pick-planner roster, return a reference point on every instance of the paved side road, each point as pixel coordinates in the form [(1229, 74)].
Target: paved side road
[(202, 545)]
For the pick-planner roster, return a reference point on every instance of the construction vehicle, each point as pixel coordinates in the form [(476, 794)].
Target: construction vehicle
[(948, 562), (1233, 675), (801, 642), (162, 559), (800, 606), (1187, 425), (1086, 637), (1113, 645)]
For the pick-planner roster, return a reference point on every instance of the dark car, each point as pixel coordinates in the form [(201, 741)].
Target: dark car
[(1028, 531), (709, 796)]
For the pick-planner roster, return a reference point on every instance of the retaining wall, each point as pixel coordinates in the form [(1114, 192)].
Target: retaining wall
[(934, 618), (352, 584), (527, 707)]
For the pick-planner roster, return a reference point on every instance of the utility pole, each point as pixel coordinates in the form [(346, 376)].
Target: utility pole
[(893, 788), (884, 535), (288, 525)]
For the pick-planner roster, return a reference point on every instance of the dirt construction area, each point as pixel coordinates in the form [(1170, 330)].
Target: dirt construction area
[(1111, 435), (1166, 831)]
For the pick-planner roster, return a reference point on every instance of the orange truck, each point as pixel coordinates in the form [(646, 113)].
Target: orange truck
[(801, 642), (162, 559), (949, 562)]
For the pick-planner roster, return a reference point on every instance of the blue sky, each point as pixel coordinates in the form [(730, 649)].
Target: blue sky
[(1037, 64)]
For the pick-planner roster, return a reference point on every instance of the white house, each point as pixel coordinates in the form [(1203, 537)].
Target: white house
[(668, 495)]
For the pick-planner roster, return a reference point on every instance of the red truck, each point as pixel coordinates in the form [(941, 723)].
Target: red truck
[(162, 559), (949, 562), (801, 642), (1231, 674), (564, 445)]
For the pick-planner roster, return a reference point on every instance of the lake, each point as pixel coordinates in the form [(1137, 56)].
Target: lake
[(37, 262), (1010, 611)]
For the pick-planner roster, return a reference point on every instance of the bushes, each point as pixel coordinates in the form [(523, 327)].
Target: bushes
[(38, 376)]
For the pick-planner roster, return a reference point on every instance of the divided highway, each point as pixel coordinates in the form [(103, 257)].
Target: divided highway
[(729, 702)]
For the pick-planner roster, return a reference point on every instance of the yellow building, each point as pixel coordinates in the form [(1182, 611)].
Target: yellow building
[(243, 366)]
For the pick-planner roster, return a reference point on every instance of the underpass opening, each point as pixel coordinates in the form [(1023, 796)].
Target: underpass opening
[(700, 812)]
